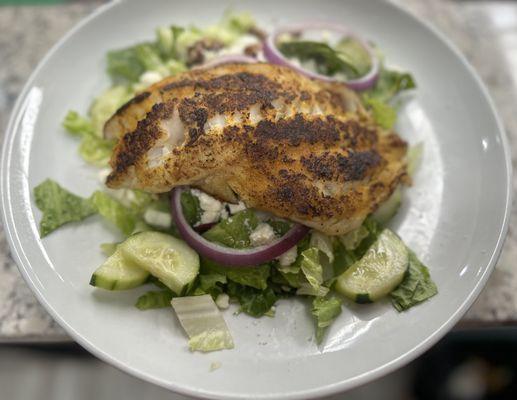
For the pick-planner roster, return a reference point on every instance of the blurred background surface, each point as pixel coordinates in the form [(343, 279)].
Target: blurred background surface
[(478, 360)]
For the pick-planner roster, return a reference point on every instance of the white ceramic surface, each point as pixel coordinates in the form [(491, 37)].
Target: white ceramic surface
[(454, 217)]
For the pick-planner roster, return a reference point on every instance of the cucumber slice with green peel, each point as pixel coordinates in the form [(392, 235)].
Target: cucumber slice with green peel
[(118, 273), (389, 208), (169, 259), (378, 272)]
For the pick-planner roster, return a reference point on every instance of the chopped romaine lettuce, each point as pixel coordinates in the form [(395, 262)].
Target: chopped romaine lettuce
[(191, 207), (328, 61), (154, 299), (255, 277), (313, 270), (113, 211), (351, 50), (234, 231), (59, 206), (124, 65), (203, 323), (96, 150), (377, 99), (212, 284), (353, 239), (416, 287), (77, 125), (343, 258), (279, 226), (104, 106), (323, 243), (384, 114), (253, 301), (93, 149), (325, 310)]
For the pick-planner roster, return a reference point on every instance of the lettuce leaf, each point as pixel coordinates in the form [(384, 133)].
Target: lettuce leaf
[(203, 323), (77, 125), (59, 206), (313, 270), (234, 231), (191, 207), (113, 211), (379, 98), (253, 301), (328, 61), (154, 299), (416, 287), (93, 149), (96, 150), (105, 105), (325, 311), (124, 65), (255, 277)]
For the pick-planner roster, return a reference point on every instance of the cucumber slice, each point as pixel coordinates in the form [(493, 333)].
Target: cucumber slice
[(169, 259), (378, 272), (118, 273), (389, 208)]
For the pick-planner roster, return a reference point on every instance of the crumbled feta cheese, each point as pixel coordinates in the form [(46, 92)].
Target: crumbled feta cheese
[(158, 218), (150, 77), (223, 301), (211, 207), (288, 257), (235, 208), (263, 234)]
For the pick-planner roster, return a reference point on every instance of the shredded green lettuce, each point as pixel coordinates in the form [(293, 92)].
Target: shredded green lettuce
[(203, 323), (256, 277), (313, 272), (93, 149), (154, 299), (105, 105), (379, 98), (325, 310), (191, 208), (77, 125), (59, 206), (234, 231), (96, 150), (416, 287), (253, 301), (113, 211), (212, 284)]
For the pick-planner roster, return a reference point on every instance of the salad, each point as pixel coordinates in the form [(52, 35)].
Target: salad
[(200, 253)]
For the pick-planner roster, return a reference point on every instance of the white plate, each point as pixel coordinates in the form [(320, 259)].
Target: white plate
[(454, 217)]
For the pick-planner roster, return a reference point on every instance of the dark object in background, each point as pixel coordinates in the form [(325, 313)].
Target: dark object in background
[(471, 364)]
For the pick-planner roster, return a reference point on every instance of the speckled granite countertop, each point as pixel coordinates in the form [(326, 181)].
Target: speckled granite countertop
[(486, 32)]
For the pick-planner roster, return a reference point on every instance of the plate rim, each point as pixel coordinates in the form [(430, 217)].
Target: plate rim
[(16, 248)]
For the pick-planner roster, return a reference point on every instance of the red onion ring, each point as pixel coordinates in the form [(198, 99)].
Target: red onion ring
[(274, 56), (227, 59), (226, 255)]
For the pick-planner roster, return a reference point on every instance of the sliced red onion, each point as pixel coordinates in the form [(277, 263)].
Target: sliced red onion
[(226, 255), (275, 56), (228, 59)]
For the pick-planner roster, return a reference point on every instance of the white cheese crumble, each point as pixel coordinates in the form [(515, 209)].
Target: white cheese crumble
[(223, 301), (235, 208), (263, 234), (211, 207), (288, 257)]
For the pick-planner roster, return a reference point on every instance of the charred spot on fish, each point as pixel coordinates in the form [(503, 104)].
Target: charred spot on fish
[(297, 130)]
